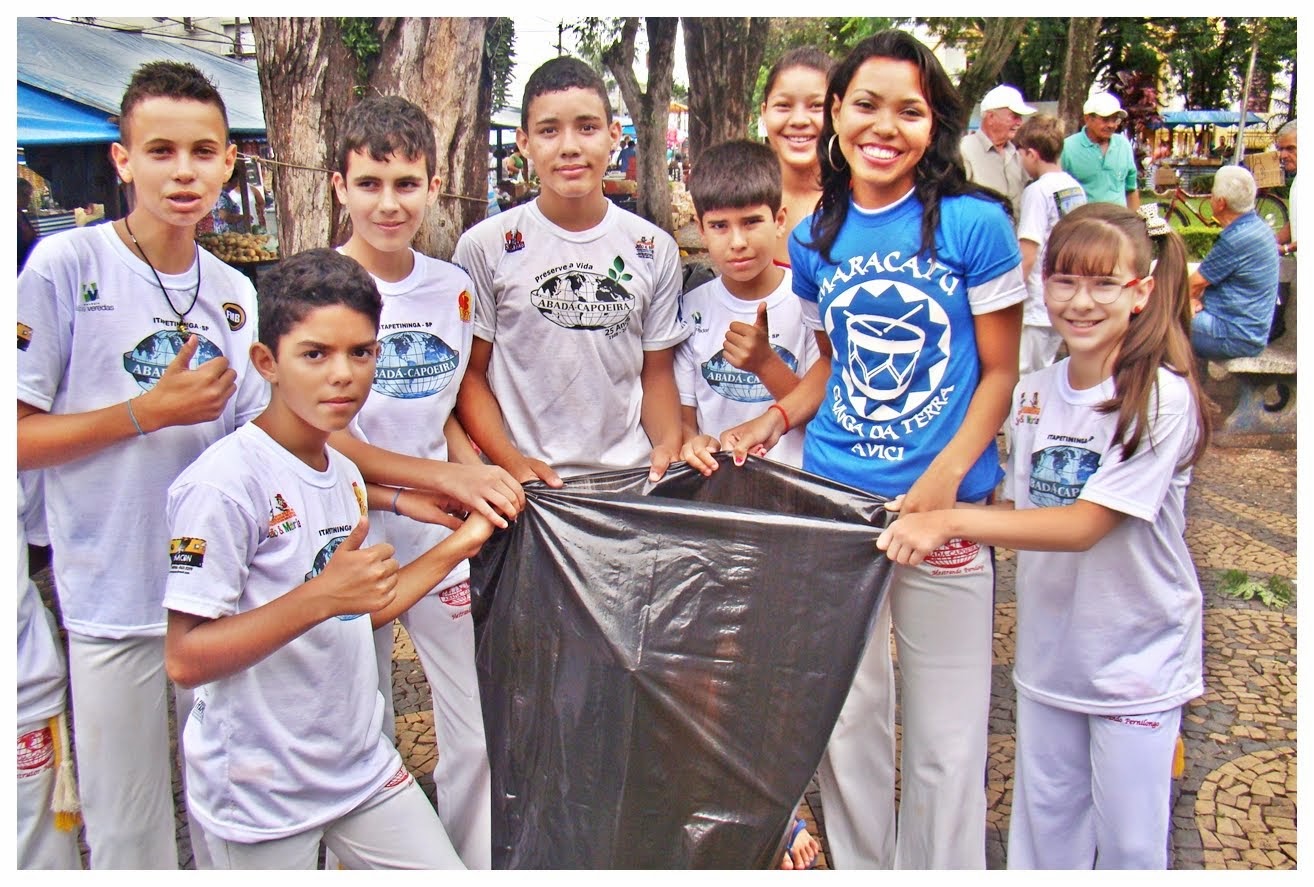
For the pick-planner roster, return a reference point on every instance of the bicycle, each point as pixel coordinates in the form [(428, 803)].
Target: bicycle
[(1183, 210)]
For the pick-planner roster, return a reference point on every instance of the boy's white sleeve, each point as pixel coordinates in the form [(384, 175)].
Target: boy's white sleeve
[(1032, 219), (45, 333), (469, 255), (252, 389), (686, 374), (212, 541), (664, 324)]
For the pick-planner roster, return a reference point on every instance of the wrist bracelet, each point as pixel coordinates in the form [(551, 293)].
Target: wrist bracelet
[(133, 417), (395, 497), (781, 410)]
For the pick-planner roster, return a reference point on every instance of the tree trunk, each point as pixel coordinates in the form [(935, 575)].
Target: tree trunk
[(999, 39), (1078, 70), (307, 83), (650, 109), (722, 56)]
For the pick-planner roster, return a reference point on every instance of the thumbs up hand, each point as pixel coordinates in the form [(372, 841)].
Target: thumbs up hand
[(358, 580), (183, 396), (748, 346)]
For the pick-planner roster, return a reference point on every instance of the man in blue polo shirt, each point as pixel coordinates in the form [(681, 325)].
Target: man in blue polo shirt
[(1235, 288), (1100, 157)]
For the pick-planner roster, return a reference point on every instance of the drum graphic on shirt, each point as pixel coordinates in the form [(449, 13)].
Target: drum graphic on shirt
[(895, 339), (321, 561), (584, 300), (739, 385), (153, 354), (1058, 474), (414, 364)]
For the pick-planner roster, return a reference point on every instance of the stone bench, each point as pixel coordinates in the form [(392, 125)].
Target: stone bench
[(1265, 413)]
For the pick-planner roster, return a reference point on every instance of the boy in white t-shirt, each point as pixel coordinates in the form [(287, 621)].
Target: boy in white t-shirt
[(386, 179), (577, 305), (749, 344), (1051, 195), (132, 359), (268, 582)]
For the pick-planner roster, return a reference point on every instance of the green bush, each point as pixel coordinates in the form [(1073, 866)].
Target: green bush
[(1199, 240)]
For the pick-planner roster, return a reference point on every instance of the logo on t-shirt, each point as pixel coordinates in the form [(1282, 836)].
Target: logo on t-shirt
[(414, 364), (360, 498), (643, 247), (1028, 411), (235, 315), (954, 554), (463, 306), (89, 298), (36, 752), (1058, 474), (575, 297), (153, 354), (186, 552), (739, 385), (282, 517), (321, 561), (24, 336), (515, 241), (1068, 199)]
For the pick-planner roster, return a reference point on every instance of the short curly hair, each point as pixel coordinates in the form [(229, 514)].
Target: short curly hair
[(315, 278), (168, 80), (383, 125)]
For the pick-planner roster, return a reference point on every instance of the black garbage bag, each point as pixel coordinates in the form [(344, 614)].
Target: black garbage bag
[(661, 666)]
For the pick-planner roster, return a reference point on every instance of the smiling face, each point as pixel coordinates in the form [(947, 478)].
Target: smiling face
[(1286, 151), (884, 126), (792, 116), (176, 155), (1100, 129), (322, 372), (1000, 125), (1093, 331), (569, 142), (387, 200)]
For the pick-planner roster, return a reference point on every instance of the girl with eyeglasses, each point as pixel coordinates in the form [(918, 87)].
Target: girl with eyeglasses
[(1109, 609)]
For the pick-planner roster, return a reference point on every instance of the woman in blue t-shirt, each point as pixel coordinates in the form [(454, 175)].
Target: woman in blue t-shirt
[(911, 276)]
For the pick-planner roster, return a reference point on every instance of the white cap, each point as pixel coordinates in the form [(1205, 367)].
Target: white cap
[(1103, 104), (1006, 97)]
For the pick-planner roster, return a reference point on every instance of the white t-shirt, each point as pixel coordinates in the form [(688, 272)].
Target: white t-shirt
[(424, 348), (95, 330), (1044, 202), (570, 314), (295, 740), (40, 662), (1116, 629), (723, 395)]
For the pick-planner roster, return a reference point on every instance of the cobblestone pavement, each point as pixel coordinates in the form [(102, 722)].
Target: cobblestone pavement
[(1235, 803)]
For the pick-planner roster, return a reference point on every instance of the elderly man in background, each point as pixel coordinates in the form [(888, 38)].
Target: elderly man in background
[(1100, 157), (1234, 290), (1286, 151), (989, 154)]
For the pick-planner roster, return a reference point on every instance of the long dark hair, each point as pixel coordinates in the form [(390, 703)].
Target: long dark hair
[(940, 173), (1090, 241)]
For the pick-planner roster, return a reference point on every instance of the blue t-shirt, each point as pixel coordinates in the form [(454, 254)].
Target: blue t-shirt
[(1242, 270), (904, 364)]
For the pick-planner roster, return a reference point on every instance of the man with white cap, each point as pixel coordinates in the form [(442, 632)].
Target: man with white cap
[(989, 154), (1100, 157)]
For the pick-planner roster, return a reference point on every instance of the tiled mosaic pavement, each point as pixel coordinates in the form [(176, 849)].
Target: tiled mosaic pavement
[(1235, 804)]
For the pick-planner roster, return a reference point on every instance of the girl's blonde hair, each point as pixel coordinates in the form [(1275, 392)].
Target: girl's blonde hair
[(1090, 241)]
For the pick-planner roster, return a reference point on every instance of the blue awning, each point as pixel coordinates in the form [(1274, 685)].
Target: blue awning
[(45, 119), (1173, 119)]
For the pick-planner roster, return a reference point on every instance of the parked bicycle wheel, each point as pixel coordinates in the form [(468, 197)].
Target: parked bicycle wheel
[(1175, 215), (1272, 210)]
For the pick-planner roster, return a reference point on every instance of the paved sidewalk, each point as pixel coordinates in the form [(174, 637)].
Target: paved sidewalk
[(1236, 801)]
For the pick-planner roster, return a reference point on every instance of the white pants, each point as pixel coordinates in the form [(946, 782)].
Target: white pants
[(121, 743), (942, 617), (1091, 791), (395, 829), (1038, 347), (441, 629), (40, 844)]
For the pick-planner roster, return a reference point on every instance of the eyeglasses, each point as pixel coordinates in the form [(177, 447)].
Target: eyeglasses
[(1105, 290)]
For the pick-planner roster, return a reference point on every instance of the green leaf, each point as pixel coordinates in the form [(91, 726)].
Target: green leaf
[(618, 264)]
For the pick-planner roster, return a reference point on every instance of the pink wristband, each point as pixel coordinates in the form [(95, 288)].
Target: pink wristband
[(781, 410)]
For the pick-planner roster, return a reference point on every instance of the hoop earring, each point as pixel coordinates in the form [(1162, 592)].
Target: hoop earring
[(830, 153)]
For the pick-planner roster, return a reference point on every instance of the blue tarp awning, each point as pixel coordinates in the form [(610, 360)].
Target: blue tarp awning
[(1206, 118), (45, 119)]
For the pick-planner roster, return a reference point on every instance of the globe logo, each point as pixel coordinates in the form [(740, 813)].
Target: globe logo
[(739, 385), (414, 364), (1058, 474), (583, 300), (153, 354), (321, 561)]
